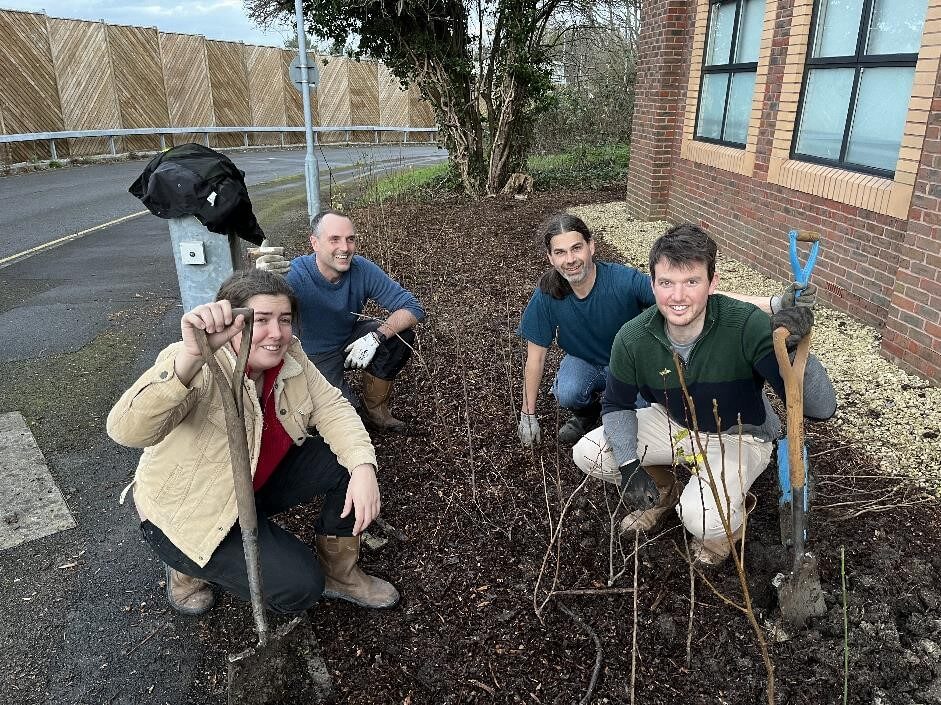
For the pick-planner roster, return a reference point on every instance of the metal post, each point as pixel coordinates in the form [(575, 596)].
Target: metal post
[(163, 143), (245, 138), (111, 145), (203, 259), (377, 135), (52, 151), (311, 168), (207, 139)]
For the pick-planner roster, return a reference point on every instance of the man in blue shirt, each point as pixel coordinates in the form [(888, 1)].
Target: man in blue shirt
[(581, 304), (332, 286)]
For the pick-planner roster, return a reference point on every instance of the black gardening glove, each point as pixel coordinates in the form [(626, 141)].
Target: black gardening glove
[(789, 297), (797, 319), (638, 485)]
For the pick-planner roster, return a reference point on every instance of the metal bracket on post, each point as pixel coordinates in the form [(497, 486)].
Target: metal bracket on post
[(203, 260)]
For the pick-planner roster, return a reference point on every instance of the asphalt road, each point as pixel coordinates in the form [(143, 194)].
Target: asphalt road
[(41, 206), (82, 616)]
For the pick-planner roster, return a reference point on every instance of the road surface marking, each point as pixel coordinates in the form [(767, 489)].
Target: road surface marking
[(31, 505), (65, 238)]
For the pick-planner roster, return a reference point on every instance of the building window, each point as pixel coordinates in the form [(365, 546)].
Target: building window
[(730, 64), (857, 83)]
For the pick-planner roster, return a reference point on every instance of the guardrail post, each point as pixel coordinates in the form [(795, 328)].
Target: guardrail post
[(207, 139), (347, 137), (163, 143), (245, 139), (282, 140), (377, 136), (405, 137), (111, 145), (52, 150)]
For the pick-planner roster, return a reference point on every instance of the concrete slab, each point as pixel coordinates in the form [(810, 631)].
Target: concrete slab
[(31, 505)]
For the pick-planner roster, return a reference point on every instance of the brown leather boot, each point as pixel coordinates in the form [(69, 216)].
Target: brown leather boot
[(669, 486), (376, 394), (339, 557), (188, 595)]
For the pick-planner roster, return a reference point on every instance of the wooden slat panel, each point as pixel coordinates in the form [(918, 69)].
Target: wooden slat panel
[(364, 97), (30, 96), (138, 81), (266, 91), (229, 85), (186, 76), (333, 96), (393, 100), (421, 114), (86, 82)]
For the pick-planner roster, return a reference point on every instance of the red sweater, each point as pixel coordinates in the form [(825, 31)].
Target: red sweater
[(275, 441)]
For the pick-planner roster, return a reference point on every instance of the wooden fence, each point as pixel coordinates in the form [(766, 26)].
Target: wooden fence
[(61, 74)]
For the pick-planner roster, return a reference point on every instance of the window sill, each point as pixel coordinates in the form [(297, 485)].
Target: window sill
[(872, 193), (734, 159)]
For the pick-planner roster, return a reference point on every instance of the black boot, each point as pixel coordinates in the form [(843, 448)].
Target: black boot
[(582, 421)]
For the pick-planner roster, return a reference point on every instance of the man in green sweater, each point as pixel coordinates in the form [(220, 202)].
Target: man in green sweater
[(726, 356)]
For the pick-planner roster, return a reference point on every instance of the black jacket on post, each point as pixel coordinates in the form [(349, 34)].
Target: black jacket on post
[(194, 180)]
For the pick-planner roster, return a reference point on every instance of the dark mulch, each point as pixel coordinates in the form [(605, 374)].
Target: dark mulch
[(477, 512)]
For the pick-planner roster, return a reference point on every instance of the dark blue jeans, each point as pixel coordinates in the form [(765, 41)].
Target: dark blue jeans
[(291, 575)]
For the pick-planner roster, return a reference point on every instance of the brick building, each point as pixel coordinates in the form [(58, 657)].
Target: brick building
[(755, 117)]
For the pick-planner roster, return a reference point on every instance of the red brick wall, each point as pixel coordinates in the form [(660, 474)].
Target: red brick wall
[(883, 270), (913, 330), (660, 88)]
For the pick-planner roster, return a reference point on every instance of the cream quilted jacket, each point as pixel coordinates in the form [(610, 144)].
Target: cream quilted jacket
[(183, 483)]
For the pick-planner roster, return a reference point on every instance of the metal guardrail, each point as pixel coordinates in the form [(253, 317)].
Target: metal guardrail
[(162, 132)]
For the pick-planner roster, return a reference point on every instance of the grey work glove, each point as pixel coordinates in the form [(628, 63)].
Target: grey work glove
[(270, 258), (639, 486), (797, 319), (789, 298), (361, 351), (528, 430)]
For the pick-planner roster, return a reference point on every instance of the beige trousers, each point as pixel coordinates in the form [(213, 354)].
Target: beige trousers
[(735, 470)]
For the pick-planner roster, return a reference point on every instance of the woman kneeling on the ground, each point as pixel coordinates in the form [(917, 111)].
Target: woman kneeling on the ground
[(183, 488)]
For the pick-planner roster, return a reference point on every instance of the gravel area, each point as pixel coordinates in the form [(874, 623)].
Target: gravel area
[(884, 413)]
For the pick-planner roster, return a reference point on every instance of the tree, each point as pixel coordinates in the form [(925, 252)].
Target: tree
[(482, 64)]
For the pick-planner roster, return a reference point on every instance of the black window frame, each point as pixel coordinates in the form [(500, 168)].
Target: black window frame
[(729, 69), (858, 61)]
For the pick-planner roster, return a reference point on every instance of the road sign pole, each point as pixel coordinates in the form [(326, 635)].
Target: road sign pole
[(311, 168)]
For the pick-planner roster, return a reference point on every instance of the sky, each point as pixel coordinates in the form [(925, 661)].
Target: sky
[(214, 19)]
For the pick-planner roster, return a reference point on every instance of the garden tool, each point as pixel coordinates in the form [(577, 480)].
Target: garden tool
[(289, 658), (801, 276), (800, 595)]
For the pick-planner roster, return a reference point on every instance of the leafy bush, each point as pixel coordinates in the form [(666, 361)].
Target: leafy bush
[(581, 167)]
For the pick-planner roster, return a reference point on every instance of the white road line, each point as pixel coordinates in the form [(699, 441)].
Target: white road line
[(7, 261), (12, 259), (31, 505)]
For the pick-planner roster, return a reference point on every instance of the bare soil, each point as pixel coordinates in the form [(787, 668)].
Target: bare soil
[(474, 512)]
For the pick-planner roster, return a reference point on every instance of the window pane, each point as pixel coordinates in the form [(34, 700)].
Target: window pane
[(749, 32), (739, 110), (896, 26), (837, 27), (720, 33), (711, 104), (823, 116), (879, 120)]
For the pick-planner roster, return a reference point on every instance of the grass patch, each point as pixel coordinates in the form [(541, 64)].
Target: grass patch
[(582, 167), (414, 182)]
